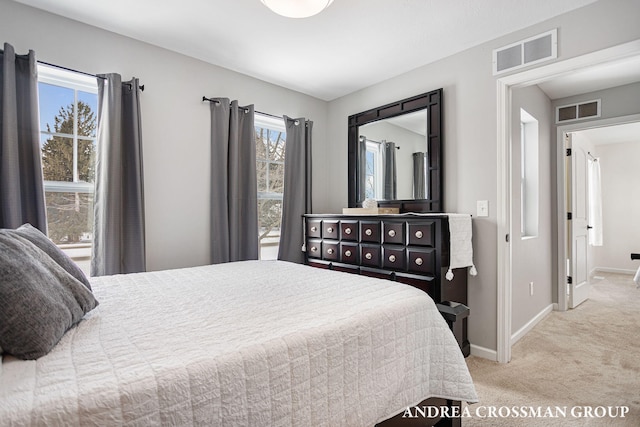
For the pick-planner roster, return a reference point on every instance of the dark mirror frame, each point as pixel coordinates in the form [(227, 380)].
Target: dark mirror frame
[(432, 101)]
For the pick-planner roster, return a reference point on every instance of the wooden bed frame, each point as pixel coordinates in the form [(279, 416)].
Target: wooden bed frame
[(401, 421)]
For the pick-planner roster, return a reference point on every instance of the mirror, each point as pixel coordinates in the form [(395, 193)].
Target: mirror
[(395, 154), (392, 158)]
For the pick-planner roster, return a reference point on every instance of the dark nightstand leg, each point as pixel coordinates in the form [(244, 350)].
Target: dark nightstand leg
[(456, 316)]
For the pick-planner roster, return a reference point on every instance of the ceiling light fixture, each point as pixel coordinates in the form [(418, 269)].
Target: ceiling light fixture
[(297, 8)]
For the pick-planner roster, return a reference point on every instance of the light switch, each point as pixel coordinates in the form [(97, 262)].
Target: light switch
[(483, 208)]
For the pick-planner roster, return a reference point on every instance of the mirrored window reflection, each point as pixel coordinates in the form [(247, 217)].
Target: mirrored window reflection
[(407, 135)]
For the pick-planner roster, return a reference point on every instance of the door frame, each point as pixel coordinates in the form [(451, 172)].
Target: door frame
[(505, 86)]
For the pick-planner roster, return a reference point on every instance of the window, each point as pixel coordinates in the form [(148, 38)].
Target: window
[(270, 153), (68, 122), (373, 171), (529, 167)]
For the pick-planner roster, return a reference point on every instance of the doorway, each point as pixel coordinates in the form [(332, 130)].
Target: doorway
[(586, 248), (505, 86)]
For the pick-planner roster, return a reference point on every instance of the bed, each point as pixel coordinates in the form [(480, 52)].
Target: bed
[(253, 343)]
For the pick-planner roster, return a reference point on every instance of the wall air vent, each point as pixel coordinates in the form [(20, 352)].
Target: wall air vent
[(533, 50), (579, 111)]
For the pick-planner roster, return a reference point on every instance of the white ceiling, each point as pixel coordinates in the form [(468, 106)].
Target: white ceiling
[(591, 79), (628, 132), (351, 45)]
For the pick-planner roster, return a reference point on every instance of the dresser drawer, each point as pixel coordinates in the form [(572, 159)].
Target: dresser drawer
[(422, 233), (370, 231), (370, 255), (394, 258), (349, 253), (349, 230), (330, 250), (330, 229), (314, 228), (314, 247), (393, 232), (421, 261)]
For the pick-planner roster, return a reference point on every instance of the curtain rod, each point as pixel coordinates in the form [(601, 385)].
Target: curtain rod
[(376, 142), (80, 72), (204, 98), (591, 155)]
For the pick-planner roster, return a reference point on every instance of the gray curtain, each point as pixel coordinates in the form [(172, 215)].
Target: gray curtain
[(389, 161), (419, 175), (297, 188), (234, 188), (21, 184), (119, 227)]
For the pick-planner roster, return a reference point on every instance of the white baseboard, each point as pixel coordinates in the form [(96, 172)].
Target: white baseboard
[(492, 355), (485, 353), (530, 324), (613, 270)]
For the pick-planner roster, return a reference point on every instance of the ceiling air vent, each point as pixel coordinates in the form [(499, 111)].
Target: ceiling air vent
[(579, 111), (542, 47)]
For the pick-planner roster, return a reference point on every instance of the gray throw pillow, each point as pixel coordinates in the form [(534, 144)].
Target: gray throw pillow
[(36, 237), (39, 300)]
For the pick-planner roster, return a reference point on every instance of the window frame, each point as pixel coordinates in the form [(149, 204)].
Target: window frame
[(275, 124), (375, 148), (77, 82), (529, 175)]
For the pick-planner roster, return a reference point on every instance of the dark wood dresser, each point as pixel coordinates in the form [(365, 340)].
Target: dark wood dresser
[(411, 249)]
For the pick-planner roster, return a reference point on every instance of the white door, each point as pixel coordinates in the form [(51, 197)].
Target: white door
[(578, 194)]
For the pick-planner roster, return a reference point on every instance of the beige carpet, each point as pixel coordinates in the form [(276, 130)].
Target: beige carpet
[(587, 357)]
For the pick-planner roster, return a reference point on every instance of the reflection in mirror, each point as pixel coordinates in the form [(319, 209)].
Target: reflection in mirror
[(393, 158), (395, 154)]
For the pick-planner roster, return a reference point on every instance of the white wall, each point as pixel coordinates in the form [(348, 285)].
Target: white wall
[(620, 206), (407, 142), (470, 133), (616, 102), (175, 121), (532, 256)]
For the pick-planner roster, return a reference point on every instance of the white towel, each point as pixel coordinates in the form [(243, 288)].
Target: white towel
[(460, 249), (636, 278)]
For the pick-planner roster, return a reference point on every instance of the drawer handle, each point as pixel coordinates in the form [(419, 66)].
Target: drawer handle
[(314, 249), (330, 251), (418, 261), (392, 233), (347, 230), (419, 234), (368, 232), (392, 258), (330, 230), (347, 253), (314, 229), (368, 255)]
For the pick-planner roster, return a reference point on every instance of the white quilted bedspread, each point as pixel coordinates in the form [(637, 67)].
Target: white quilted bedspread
[(255, 343)]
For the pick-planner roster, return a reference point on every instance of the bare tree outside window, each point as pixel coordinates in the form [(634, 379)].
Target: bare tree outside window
[(66, 161), (270, 152), (68, 126)]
